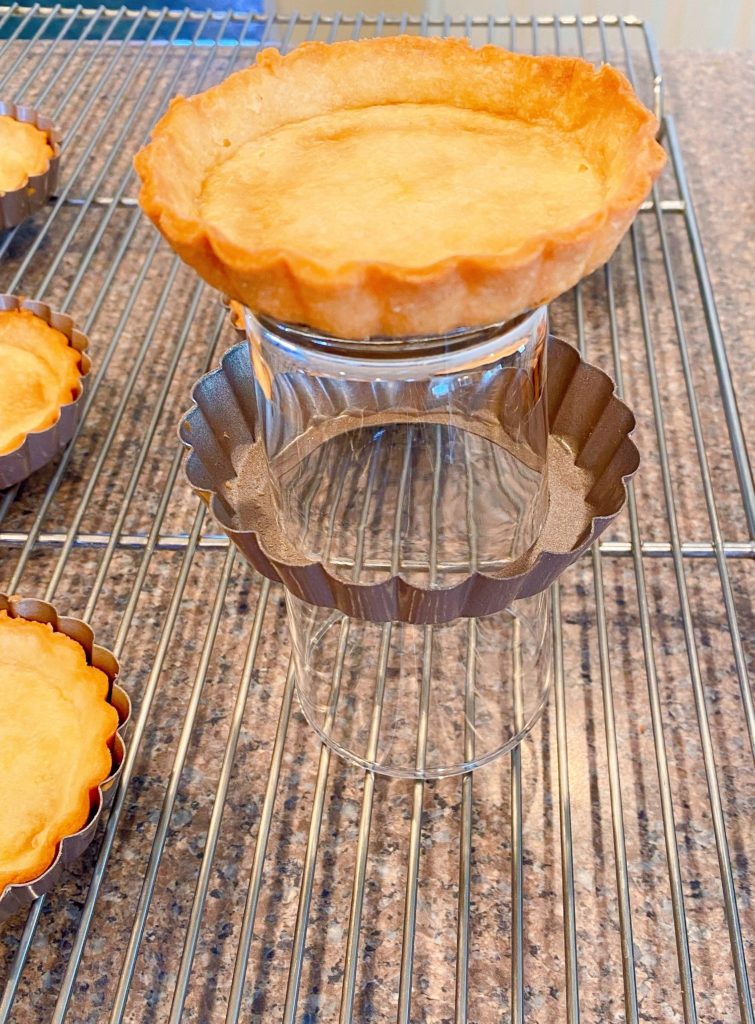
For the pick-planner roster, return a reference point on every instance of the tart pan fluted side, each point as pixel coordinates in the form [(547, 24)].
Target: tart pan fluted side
[(20, 203), (41, 446), (18, 895), (591, 456)]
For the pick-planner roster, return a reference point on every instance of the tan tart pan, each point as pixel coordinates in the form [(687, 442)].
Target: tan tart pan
[(21, 203), (41, 446), (16, 897), (590, 459)]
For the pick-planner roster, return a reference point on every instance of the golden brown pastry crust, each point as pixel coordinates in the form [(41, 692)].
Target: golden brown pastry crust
[(55, 731), (25, 152), (593, 111), (236, 315), (40, 371)]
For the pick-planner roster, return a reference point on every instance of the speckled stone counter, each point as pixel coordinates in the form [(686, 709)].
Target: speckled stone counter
[(708, 98), (189, 690)]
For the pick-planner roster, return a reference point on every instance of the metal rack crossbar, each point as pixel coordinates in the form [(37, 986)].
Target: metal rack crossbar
[(600, 871)]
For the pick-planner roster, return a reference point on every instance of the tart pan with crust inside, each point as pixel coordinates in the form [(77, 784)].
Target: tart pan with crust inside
[(57, 728), (29, 157)]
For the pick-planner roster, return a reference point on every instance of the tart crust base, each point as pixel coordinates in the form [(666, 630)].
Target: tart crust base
[(55, 728), (40, 371), (25, 152), (256, 183)]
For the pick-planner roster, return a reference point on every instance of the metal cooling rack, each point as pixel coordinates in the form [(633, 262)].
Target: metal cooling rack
[(600, 873)]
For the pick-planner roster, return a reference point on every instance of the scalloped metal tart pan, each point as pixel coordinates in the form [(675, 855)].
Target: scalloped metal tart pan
[(19, 895), (591, 456), (19, 204), (42, 446)]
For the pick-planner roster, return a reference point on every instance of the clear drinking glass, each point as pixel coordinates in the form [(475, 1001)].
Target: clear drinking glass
[(422, 701), (424, 457)]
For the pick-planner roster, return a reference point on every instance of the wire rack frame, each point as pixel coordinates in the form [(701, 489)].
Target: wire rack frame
[(180, 912)]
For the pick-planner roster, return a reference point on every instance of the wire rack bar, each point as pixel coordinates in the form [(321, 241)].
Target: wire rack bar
[(8, 12), (313, 838), (29, 45), (218, 542), (368, 794), (719, 825), (718, 348), (88, 151), (133, 376), (465, 839), (727, 879), (200, 896), (517, 855), (131, 202), (710, 501), (69, 979), (74, 960), (119, 410), (74, 50), (654, 698), (418, 787), (95, 52), (161, 833), (324, 18), (112, 530), (614, 772), (132, 485), (260, 852), (564, 797)]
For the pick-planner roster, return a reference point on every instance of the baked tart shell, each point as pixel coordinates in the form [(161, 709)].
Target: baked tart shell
[(298, 258), (41, 446), (18, 204), (71, 845)]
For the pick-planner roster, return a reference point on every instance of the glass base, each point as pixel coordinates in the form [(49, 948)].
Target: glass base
[(422, 702), (427, 773)]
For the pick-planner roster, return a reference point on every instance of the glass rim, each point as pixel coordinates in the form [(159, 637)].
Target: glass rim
[(389, 358)]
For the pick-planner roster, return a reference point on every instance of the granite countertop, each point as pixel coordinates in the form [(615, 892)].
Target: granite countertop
[(707, 96), (710, 96)]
